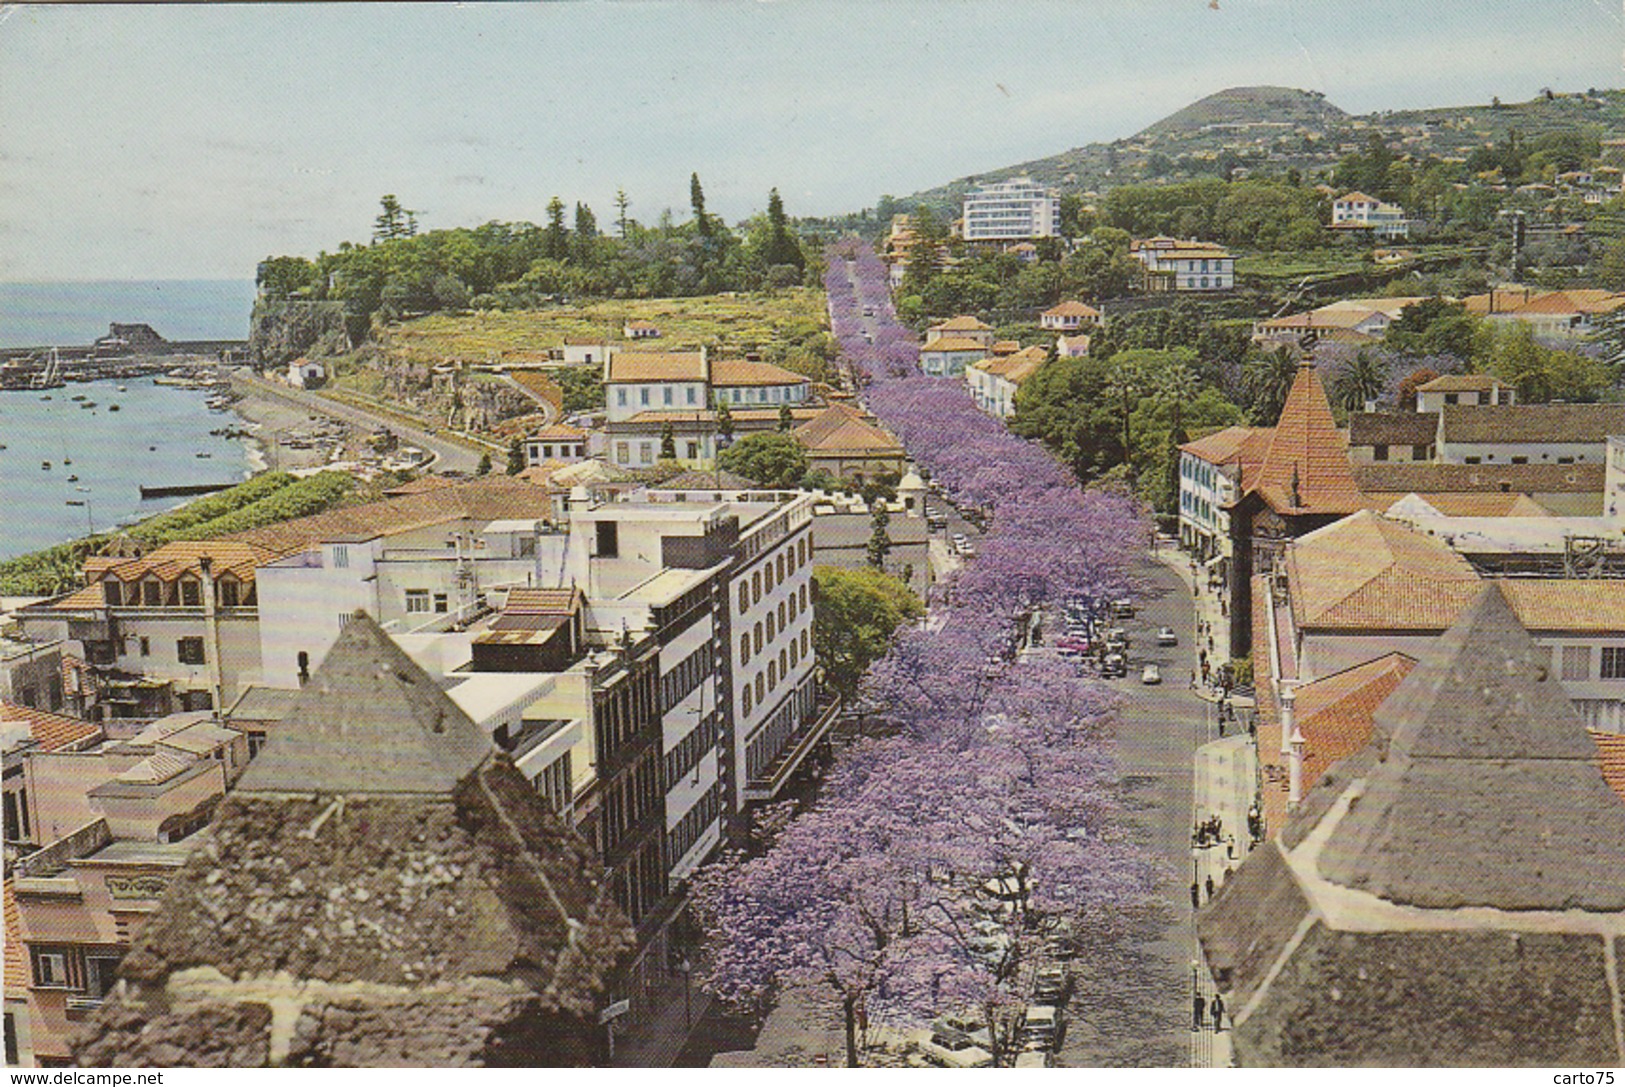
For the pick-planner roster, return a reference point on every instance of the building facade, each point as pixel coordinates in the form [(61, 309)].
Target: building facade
[(1011, 211)]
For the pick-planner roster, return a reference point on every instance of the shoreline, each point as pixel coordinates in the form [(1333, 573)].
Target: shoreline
[(269, 421)]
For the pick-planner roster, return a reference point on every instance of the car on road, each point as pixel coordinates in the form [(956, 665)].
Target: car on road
[(1113, 666), (1166, 636), (1050, 985), (954, 1051), (1123, 609), (1150, 675), (958, 539), (1042, 1027), (967, 549), (1072, 641)]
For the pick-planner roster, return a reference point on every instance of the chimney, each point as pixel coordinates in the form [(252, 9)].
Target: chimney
[(211, 628), (1289, 722), (1294, 795)]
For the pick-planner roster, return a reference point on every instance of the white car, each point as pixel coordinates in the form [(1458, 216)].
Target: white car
[(1166, 636), (954, 1051), (1149, 674)]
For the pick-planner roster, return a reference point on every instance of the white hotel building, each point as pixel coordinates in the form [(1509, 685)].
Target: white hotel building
[(1011, 211)]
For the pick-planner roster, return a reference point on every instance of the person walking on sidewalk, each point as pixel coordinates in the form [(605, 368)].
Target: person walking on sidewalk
[(1217, 1012), (1210, 888), (1196, 895), (1198, 1009)]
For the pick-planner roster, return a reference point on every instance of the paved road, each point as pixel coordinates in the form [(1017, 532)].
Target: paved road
[(451, 456), (1120, 1021)]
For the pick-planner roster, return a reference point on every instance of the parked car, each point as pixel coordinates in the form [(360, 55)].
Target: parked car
[(1034, 1058), (1123, 609), (1072, 641), (966, 1024), (1051, 984), (958, 540), (1043, 1025), (955, 1051), (1166, 636), (1113, 666), (1150, 675)]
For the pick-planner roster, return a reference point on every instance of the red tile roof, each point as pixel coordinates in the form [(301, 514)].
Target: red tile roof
[(1334, 712), (1306, 468), (51, 731), (843, 430), (1610, 757)]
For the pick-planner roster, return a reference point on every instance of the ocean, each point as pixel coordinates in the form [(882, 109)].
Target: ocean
[(154, 438), (71, 314)]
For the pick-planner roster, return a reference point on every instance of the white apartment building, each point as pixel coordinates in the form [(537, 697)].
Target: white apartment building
[(995, 381), (1358, 211), (1010, 211), (1175, 265)]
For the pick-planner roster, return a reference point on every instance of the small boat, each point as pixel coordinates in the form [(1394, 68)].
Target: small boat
[(152, 449), (77, 396), (203, 456), (88, 404), (45, 465), (123, 388), (112, 407), (82, 490), (45, 398), (76, 501), (73, 479)]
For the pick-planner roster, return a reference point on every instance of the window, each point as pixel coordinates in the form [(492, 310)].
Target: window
[(58, 968), (341, 556), (1520, 460), (667, 396), (744, 597), (1474, 460), (646, 452), (745, 701), (761, 686), (191, 594), (784, 664), (441, 603), (620, 398), (781, 614), (772, 674), (1451, 398), (228, 593), (417, 600), (151, 594), (758, 637), (1419, 452), (693, 449), (110, 592), (693, 395), (146, 646), (744, 649), (1576, 662), (1379, 452), (770, 626), (609, 540), (805, 648), (1613, 662), (189, 650), (804, 598), (779, 564), (756, 585), (643, 397), (623, 452)]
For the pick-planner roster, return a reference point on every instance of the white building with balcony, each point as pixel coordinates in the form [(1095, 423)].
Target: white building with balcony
[(1011, 211)]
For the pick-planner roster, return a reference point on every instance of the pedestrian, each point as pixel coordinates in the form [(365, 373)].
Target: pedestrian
[(1230, 847), (1217, 1010), (1210, 888), (1221, 727), (1196, 895), (1198, 1009)]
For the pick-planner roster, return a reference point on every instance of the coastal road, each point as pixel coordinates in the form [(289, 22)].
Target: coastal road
[(450, 456)]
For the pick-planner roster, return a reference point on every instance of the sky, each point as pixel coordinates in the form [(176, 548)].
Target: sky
[(192, 141)]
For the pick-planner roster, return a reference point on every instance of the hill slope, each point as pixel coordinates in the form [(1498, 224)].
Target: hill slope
[(1280, 128)]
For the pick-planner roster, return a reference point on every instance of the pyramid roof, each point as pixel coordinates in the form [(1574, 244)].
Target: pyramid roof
[(1306, 468), (1487, 791), (369, 721), (843, 428)]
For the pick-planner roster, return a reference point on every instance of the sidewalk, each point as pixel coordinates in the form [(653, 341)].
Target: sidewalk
[(1206, 601)]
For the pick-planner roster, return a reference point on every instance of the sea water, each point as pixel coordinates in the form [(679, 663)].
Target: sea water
[(74, 314), (153, 438)]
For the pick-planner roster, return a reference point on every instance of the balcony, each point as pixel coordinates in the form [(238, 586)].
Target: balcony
[(813, 731)]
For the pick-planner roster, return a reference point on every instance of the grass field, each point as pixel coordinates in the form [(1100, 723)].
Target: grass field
[(729, 322)]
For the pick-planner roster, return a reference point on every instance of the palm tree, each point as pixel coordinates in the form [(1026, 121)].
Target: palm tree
[(1177, 384), (1359, 379), (1266, 379), (1127, 382)]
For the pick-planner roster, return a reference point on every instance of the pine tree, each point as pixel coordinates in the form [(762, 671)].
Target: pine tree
[(586, 234), (555, 238), (787, 419), (393, 221), (725, 420), (782, 246), (696, 200), (668, 442), (516, 457), (484, 467), (621, 204)]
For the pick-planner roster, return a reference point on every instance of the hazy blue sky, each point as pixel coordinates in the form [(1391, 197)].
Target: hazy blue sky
[(191, 141)]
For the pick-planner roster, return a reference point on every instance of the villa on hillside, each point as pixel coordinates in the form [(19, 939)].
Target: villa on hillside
[(1357, 211), (1175, 265)]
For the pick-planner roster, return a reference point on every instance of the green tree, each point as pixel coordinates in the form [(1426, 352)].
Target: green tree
[(771, 458), (855, 614), (586, 235), (1265, 381), (484, 467), (1540, 373), (621, 204), (879, 545), (787, 419), (725, 420), (556, 237), (782, 247), (393, 221), (516, 457), (696, 200), (279, 277), (668, 442), (1361, 377)]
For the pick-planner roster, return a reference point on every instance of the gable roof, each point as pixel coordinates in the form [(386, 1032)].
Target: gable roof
[(1334, 712), (370, 720), (557, 432), (1462, 504), (491, 498), (1366, 571), (1487, 791), (1358, 197), (1611, 759), (1014, 368), (1393, 427), (953, 343), (51, 731), (962, 323), (1071, 308), (656, 366), (1509, 423), (733, 372), (1306, 468), (842, 428), (1222, 446), (1462, 383), (1427, 477)]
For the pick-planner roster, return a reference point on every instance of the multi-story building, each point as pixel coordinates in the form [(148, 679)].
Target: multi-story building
[(1011, 211), (963, 327), (850, 444), (1357, 211), (1567, 314), (648, 392), (1070, 316), (994, 381), (1470, 389), (1175, 265), (1213, 473), (559, 442), (175, 629), (1527, 433)]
